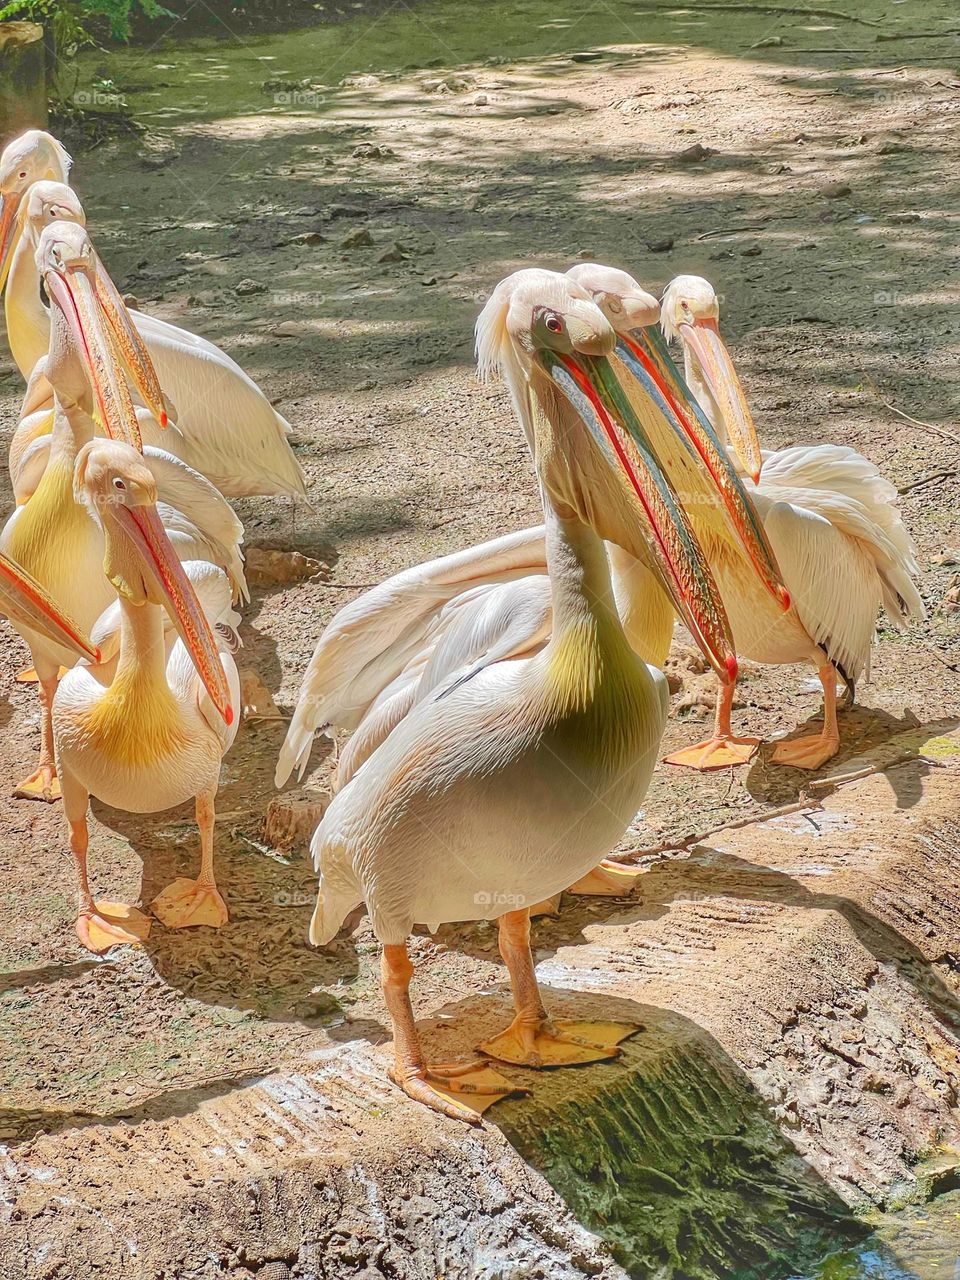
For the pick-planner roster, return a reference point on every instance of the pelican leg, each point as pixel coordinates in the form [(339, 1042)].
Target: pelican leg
[(43, 783), (533, 1039), (195, 902), (433, 1086), (723, 749), (99, 925), (813, 751)]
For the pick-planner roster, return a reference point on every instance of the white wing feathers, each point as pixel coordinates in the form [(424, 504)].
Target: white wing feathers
[(848, 490), (375, 638), (232, 432)]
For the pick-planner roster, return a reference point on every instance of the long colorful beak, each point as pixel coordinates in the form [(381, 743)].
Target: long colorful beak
[(645, 354), (72, 290), (128, 345), (24, 600), (592, 387), (145, 528), (9, 204), (702, 339)]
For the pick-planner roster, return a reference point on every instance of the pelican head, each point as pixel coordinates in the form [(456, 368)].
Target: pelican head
[(552, 344), (25, 602), (116, 484), (93, 341), (33, 157), (47, 202), (618, 296), (643, 353), (690, 311)]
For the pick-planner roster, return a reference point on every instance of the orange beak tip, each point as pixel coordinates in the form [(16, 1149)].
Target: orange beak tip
[(756, 476), (785, 599), (228, 716), (164, 420), (97, 656)]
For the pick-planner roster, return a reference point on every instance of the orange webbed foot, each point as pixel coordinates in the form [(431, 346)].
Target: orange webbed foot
[(715, 753), (110, 924)]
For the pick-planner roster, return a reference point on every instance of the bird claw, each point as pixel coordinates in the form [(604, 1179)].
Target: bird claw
[(111, 924), (43, 784), (187, 903), (715, 753), (476, 1081), (806, 753), (559, 1044)]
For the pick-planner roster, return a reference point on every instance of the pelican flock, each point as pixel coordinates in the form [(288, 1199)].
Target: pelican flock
[(505, 703)]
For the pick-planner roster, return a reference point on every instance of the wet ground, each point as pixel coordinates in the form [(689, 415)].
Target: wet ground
[(466, 142)]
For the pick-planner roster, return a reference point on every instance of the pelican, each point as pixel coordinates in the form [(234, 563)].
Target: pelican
[(389, 648), (229, 430), (53, 535), (833, 522), (147, 728), (514, 779)]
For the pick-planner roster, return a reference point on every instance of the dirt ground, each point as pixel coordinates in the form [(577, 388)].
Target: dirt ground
[(824, 211)]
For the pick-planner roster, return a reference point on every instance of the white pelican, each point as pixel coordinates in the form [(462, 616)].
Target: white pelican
[(53, 535), (147, 728), (230, 431), (832, 519), (514, 780), (389, 648)]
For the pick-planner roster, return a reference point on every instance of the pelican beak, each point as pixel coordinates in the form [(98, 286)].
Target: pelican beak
[(71, 289), (591, 385), (143, 526), (702, 339), (9, 204), (128, 345), (645, 355), (24, 601)]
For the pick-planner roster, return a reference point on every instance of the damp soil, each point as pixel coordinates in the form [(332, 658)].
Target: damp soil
[(806, 164)]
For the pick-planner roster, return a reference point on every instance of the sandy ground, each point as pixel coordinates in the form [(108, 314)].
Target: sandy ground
[(825, 215)]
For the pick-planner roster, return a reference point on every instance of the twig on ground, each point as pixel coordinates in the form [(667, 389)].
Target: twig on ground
[(935, 427), (729, 231), (932, 479)]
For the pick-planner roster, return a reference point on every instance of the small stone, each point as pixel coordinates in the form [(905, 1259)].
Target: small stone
[(266, 567), (372, 151), (900, 219), (835, 190), (427, 281), (244, 288), (292, 819), (359, 239), (692, 155), (132, 301), (394, 253), (366, 384), (752, 251), (257, 700), (307, 237), (481, 100), (345, 211), (660, 246), (157, 153), (288, 329)]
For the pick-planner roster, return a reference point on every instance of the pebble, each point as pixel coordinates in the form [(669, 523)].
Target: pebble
[(244, 288), (835, 190), (660, 246), (372, 151), (307, 237), (481, 100), (394, 253), (267, 567), (359, 239), (691, 155), (752, 251)]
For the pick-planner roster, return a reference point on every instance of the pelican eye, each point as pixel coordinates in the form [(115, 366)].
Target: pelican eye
[(119, 484), (22, 173), (554, 324), (614, 304)]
